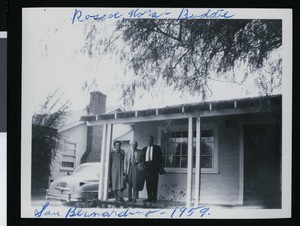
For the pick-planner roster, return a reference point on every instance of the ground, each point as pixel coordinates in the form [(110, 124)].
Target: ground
[(40, 201)]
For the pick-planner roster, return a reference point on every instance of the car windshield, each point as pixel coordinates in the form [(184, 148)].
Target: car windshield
[(94, 170)]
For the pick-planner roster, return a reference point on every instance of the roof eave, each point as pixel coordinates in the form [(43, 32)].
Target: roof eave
[(189, 109)]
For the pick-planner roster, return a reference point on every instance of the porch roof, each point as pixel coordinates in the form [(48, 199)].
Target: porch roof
[(206, 108)]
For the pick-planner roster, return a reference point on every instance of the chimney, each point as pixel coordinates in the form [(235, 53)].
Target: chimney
[(97, 106), (97, 103)]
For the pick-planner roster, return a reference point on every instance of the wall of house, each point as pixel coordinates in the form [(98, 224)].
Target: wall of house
[(223, 187), (77, 135), (216, 188)]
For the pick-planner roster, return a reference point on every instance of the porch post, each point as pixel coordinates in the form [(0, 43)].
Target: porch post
[(108, 150), (198, 162), (102, 160), (189, 163)]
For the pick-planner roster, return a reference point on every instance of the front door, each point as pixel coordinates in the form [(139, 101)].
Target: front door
[(262, 165)]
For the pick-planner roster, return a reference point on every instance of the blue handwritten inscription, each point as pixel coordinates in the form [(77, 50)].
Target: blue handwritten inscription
[(75, 212), (80, 17), (209, 14), (138, 13), (188, 212), (43, 212), (184, 14)]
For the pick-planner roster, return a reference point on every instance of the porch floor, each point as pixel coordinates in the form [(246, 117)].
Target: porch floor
[(164, 204)]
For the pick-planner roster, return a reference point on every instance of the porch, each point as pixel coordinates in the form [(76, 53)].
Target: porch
[(213, 172)]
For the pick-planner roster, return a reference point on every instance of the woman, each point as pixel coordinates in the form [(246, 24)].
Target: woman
[(117, 171), (135, 179)]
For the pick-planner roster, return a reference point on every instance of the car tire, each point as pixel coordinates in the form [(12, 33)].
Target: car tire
[(94, 204), (66, 203)]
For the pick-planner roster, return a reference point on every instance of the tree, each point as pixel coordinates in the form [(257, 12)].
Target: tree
[(187, 54), (46, 139)]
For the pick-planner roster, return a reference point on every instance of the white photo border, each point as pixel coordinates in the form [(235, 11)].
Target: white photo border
[(27, 211)]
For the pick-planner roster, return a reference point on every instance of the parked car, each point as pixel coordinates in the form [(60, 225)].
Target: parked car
[(81, 186)]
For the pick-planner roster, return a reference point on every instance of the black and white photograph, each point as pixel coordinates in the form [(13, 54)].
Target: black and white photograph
[(156, 113)]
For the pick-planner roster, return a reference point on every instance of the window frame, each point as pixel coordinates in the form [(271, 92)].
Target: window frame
[(204, 126), (63, 155)]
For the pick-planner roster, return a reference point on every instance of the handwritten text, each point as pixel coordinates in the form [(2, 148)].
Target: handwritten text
[(76, 212), (137, 13), (79, 17), (209, 14)]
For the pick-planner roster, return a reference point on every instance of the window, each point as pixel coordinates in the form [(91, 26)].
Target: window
[(175, 149), (68, 156), (207, 149)]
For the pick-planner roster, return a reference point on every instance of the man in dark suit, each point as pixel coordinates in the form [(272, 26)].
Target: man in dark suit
[(154, 166)]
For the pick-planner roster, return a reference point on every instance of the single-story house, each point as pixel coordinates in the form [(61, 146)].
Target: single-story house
[(216, 152), (81, 143)]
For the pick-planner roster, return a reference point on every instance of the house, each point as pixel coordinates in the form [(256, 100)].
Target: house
[(239, 141), (82, 143), (73, 146)]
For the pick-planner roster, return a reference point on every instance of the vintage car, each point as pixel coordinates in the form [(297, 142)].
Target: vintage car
[(81, 186)]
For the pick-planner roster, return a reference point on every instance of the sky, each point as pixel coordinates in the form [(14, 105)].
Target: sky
[(52, 60)]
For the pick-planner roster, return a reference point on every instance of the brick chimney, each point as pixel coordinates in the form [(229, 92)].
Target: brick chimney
[(97, 103), (97, 106)]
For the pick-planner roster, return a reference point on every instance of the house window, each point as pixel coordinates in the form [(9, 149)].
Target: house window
[(175, 149), (207, 149), (68, 156)]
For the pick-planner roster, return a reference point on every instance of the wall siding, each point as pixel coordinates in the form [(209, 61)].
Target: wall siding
[(223, 188), (76, 135)]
